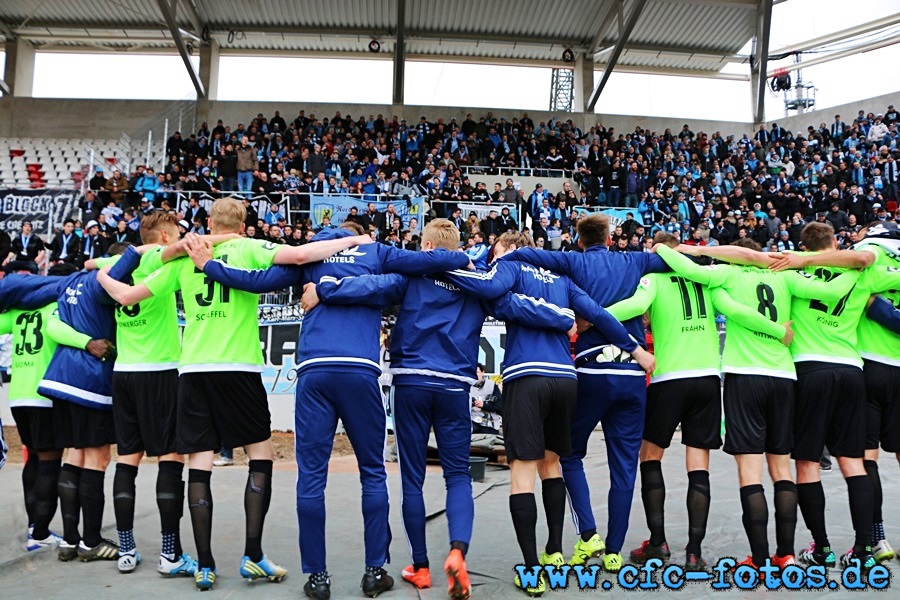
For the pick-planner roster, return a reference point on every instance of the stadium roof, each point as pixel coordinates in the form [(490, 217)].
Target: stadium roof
[(687, 37)]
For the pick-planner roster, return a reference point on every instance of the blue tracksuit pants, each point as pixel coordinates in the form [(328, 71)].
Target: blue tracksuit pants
[(618, 402), (322, 398), (416, 409)]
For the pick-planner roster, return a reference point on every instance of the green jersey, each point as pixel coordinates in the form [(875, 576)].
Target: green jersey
[(32, 349), (874, 341), (749, 351), (147, 335), (827, 332), (221, 324), (682, 316)]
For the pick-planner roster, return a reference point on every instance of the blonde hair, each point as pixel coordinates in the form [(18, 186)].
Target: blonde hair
[(228, 215), (442, 233), (514, 238), (154, 223)]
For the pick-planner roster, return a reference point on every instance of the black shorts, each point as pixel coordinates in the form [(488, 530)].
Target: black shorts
[(695, 403), (221, 408), (36, 428), (759, 414), (537, 416), (830, 411), (882, 406), (79, 427), (144, 408)]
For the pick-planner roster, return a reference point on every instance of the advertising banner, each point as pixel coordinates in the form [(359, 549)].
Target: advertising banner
[(46, 209)]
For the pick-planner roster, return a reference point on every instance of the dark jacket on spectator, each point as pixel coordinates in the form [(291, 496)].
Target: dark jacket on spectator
[(71, 247)]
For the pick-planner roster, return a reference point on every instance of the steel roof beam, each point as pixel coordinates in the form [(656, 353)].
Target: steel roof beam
[(399, 53), (760, 61), (168, 12), (636, 10)]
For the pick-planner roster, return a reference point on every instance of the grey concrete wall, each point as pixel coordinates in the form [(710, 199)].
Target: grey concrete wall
[(878, 104), (50, 117), (58, 118)]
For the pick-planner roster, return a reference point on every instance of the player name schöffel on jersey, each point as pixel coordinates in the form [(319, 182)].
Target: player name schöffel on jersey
[(221, 324)]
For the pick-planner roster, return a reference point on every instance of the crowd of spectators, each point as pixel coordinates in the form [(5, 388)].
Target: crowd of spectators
[(705, 188)]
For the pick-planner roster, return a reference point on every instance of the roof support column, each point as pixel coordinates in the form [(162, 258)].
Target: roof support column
[(400, 53), (624, 33), (168, 13), (760, 60), (584, 81), (209, 69), (19, 76)]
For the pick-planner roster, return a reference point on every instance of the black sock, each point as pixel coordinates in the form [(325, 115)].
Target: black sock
[(170, 502), (45, 497), (756, 521), (70, 502), (859, 491), (877, 497), (90, 491), (653, 493), (200, 503), (523, 509), (29, 477), (123, 496), (421, 565), (588, 534), (785, 516), (697, 509), (461, 546), (257, 497), (811, 499), (553, 492)]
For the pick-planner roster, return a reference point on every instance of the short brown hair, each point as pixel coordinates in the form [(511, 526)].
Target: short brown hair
[(228, 214), (593, 230), (668, 239), (515, 238), (747, 243), (818, 236), (153, 223), (353, 226), (442, 233)]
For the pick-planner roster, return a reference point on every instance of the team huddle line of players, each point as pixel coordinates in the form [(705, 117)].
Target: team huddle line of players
[(804, 368)]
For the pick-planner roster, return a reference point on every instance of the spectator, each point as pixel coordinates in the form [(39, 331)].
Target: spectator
[(116, 186), (245, 164), (94, 245), (374, 218), (65, 244), (487, 404), (26, 251)]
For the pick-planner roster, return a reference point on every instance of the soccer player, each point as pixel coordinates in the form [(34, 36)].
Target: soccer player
[(879, 349), (145, 393), (221, 398), (685, 388), (35, 334), (759, 391), (611, 387), (540, 395), (79, 380), (432, 362), (339, 341)]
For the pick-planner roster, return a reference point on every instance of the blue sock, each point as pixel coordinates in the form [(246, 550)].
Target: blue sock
[(168, 546), (126, 541)]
